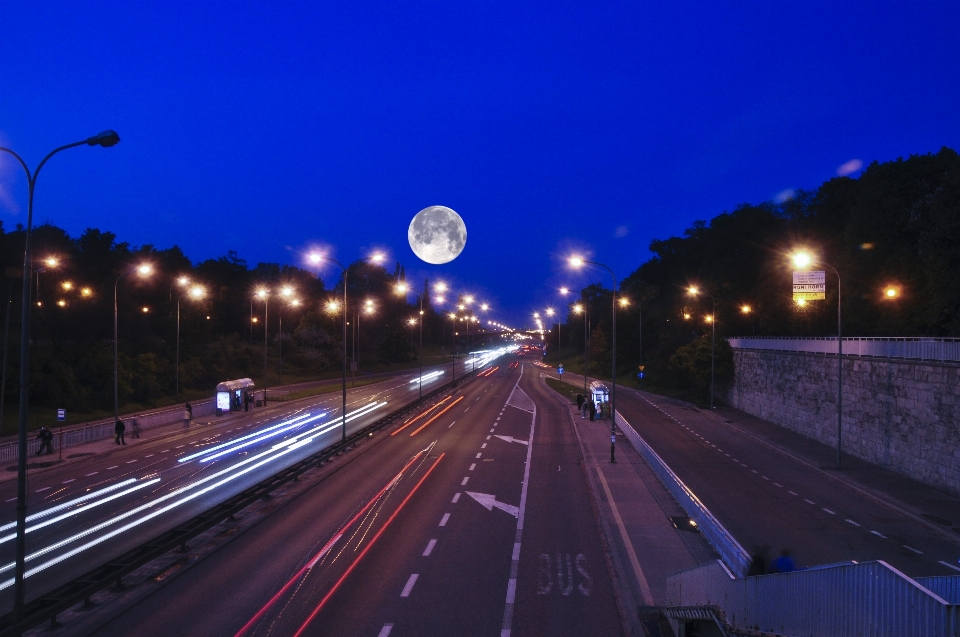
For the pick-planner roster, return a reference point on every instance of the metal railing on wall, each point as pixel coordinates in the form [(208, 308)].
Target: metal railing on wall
[(941, 350), (733, 555), (871, 598)]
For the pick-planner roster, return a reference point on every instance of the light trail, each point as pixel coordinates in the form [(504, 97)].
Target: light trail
[(70, 503), (448, 408), (373, 541), (293, 423), (418, 417), (426, 377), (277, 451)]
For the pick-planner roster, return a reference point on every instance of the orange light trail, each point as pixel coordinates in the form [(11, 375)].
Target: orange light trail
[(449, 407), (333, 590), (416, 418)]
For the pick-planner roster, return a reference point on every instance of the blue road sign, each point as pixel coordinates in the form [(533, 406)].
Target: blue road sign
[(560, 369), (61, 415)]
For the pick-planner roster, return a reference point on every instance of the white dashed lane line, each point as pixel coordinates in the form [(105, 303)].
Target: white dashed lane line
[(443, 520), (427, 551), (456, 496), (43, 489)]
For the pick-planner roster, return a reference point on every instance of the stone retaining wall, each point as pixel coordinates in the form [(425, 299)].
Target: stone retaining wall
[(901, 415)]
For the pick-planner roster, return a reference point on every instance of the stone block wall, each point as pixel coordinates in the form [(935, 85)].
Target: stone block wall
[(901, 415)]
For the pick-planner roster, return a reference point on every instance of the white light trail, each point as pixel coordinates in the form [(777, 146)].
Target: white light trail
[(286, 425)]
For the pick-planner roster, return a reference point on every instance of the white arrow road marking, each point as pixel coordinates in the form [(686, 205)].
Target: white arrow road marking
[(510, 439), (488, 501)]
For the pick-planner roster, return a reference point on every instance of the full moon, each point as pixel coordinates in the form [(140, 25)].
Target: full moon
[(437, 235)]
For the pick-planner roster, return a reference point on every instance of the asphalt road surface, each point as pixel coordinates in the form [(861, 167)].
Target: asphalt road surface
[(83, 512), (471, 518)]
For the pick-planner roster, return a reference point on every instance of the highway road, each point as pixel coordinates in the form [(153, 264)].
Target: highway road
[(470, 518), (767, 498), (84, 512)]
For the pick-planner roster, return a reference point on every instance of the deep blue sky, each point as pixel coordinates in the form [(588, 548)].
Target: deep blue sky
[(547, 126)]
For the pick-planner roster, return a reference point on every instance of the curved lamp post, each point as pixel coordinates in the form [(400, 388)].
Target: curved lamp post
[(143, 270), (578, 262), (264, 295), (803, 260), (196, 292), (105, 139), (315, 258)]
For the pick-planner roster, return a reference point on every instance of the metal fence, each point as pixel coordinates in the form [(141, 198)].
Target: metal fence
[(946, 586), (737, 559), (871, 599), (941, 350), (102, 429)]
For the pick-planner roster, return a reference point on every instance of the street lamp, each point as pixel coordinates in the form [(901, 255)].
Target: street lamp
[(695, 291), (316, 258), (104, 139), (144, 270), (285, 293), (580, 309), (578, 262), (803, 260), (197, 292), (264, 295)]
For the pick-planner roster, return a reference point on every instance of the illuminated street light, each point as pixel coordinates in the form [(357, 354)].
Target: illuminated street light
[(802, 302), (803, 260), (745, 309), (695, 291), (144, 270), (196, 293), (441, 287), (67, 285), (62, 303), (891, 293), (51, 262), (104, 139), (86, 292)]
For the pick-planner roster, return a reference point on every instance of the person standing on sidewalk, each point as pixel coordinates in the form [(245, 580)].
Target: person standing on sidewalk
[(579, 402), (118, 430), (593, 411), (46, 440)]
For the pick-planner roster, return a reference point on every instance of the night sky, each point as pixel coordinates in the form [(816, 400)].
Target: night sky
[(549, 127)]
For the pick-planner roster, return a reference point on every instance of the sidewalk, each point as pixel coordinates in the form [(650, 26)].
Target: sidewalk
[(635, 512)]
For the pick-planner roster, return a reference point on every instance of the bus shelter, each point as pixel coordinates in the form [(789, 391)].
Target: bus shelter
[(234, 395), (599, 394)]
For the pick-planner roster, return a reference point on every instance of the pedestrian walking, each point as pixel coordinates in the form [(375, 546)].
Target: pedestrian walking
[(583, 410), (45, 436), (135, 426), (579, 402), (118, 430)]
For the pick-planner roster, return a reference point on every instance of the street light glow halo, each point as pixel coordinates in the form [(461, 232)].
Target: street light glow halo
[(802, 259)]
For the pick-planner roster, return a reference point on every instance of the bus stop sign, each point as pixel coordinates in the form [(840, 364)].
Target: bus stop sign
[(61, 415)]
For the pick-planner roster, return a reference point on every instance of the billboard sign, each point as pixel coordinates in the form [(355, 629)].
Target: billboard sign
[(809, 286)]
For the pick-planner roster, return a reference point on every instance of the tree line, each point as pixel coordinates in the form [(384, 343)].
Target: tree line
[(893, 234)]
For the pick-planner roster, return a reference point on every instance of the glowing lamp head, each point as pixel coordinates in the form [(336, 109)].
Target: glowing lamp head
[(402, 288), (890, 293), (315, 258), (441, 287), (578, 308), (746, 309), (693, 290), (411, 321), (452, 315), (440, 299), (145, 309), (286, 290), (576, 262), (802, 260), (468, 299), (183, 281), (550, 311), (262, 293), (536, 315), (333, 305), (484, 307), (461, 306), (624, 302), (145, 270), (295, 302), (708, 319), (86, 292), (67, 285), (378, 257), (51, 262), (197, 292), (62, 303), (686, 316), (564, 290), (801, 302)]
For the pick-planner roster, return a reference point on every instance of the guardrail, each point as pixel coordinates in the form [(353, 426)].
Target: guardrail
[(49, 605), (943, 350), (733, 555), (871, 598)]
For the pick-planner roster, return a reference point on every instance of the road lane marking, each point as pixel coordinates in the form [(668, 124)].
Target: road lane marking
[(478, 456), (879, 534), (429, 549), (791, 492), (778, 485), (91, 474), (43, 489), (113, 467), (472, 467), (409, 585), (948, 565), (488, 438), (910, 548), (451, 424), (385, 631), (484, 445), (456, 496), (464, 483), (130, 461), (443, 520), (829, 511), (809, 501), (69, 481), (851, 522), (11, 499), (149, 455)]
